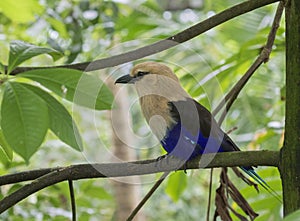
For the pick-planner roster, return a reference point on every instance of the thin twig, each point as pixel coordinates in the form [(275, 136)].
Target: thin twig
[(262, 58), (72, 198), (209, 193), (165, 44), (148, 195)]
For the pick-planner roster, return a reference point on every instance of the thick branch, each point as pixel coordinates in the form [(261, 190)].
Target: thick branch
[(290, 153), (165, 44), (87, 171), (230, 159)]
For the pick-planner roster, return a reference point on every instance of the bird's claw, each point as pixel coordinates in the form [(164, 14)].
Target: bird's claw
[(160, 158), (184, 166)]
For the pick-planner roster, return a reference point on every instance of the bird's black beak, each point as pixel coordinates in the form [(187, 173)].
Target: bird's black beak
[(126, 79)]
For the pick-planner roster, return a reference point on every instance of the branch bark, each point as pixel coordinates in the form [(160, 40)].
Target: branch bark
[(165, 44), (290, 153), (51, 176)]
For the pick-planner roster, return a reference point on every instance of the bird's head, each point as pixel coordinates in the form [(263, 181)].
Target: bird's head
[(147, 72), (153, 78)]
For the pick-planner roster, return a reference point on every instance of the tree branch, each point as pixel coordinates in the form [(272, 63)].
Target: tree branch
[(52, 176), (165, 44)]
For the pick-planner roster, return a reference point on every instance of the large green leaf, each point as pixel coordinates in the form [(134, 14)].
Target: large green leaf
[(24, 119), (75, 86), (21, 51), (61, 122), (176, 185)]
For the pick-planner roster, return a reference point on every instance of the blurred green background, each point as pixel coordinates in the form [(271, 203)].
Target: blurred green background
[(208, 66)]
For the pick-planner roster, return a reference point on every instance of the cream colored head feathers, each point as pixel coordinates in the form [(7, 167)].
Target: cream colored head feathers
[(156, 85), (157, 79), (153, 68)]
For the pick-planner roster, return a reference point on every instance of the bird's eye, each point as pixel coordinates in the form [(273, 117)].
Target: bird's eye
[(141, 73)]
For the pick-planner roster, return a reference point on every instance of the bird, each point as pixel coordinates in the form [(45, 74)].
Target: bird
[(184, 127)]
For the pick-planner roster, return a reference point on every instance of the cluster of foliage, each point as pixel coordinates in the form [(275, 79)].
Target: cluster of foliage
[(81, 30), (35, 110)]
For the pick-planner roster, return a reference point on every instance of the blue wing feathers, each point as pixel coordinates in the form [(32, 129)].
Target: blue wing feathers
[(180, 143)]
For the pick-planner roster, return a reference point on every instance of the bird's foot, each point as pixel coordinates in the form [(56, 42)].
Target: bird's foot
[(184, 166), (166, 158), (161, 158)]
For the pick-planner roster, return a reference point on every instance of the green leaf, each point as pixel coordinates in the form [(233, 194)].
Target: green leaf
[(2, 68), (61, 122), (5, 146), (21, 11), (59, 26), (176, 185), (24, 119), (75, 86), (21, 51), (293, 216), (98, 192), (4, 158)]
